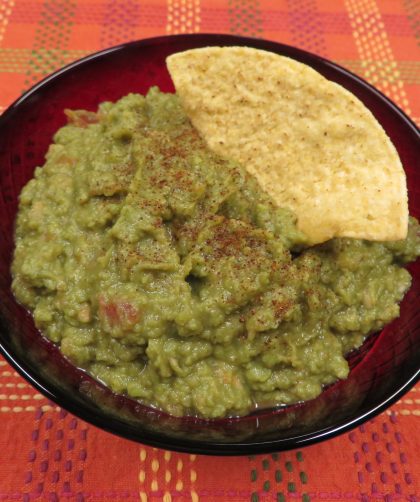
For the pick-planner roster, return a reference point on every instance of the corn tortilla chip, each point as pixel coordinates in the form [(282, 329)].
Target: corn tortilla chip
[(312, 145)]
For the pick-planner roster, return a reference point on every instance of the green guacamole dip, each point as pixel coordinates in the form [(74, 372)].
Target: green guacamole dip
[(165, 271)]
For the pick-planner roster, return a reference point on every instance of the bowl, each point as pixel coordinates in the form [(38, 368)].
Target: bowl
[(385, 367)]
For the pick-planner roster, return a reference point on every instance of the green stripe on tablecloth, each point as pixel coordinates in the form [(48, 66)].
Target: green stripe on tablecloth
[(52, 36), (245, 17)]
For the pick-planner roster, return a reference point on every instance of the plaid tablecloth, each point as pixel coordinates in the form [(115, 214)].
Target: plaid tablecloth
[(48, 454)]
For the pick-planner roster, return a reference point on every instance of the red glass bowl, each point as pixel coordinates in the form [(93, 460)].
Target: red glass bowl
[(385, 367)]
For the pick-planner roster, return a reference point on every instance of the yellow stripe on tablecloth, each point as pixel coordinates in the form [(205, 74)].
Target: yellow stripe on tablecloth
[(167, 497), (157, 480), (193, 479), (415, 413), (19, 409), (183, 16), (154, 466), (142, 474), (168, 474), (409, 401), (378, 61), (16, 409), (179, 485), (15, 385), (6, 7), (7, 373), (18, 397), (409, 70)]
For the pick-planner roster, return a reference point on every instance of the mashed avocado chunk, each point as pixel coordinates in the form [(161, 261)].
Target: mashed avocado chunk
[(167, 273)]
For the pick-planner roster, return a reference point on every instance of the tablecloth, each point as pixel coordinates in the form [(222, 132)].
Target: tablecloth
[(48, 454)]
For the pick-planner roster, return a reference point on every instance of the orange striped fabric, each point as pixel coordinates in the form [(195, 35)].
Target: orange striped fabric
[(48, 454)]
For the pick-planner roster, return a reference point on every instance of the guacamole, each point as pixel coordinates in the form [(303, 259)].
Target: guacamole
[(168, 274)]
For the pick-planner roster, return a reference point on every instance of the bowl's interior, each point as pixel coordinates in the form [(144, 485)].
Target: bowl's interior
[(385, 367)]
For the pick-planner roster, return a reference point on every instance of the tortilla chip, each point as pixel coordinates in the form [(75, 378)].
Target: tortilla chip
[(312, 145)]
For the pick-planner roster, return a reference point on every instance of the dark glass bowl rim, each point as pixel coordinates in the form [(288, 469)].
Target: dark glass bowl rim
[(121, 428)]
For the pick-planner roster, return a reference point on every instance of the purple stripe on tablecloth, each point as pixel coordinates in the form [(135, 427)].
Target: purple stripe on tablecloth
[(306, 26), (119, 22)]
